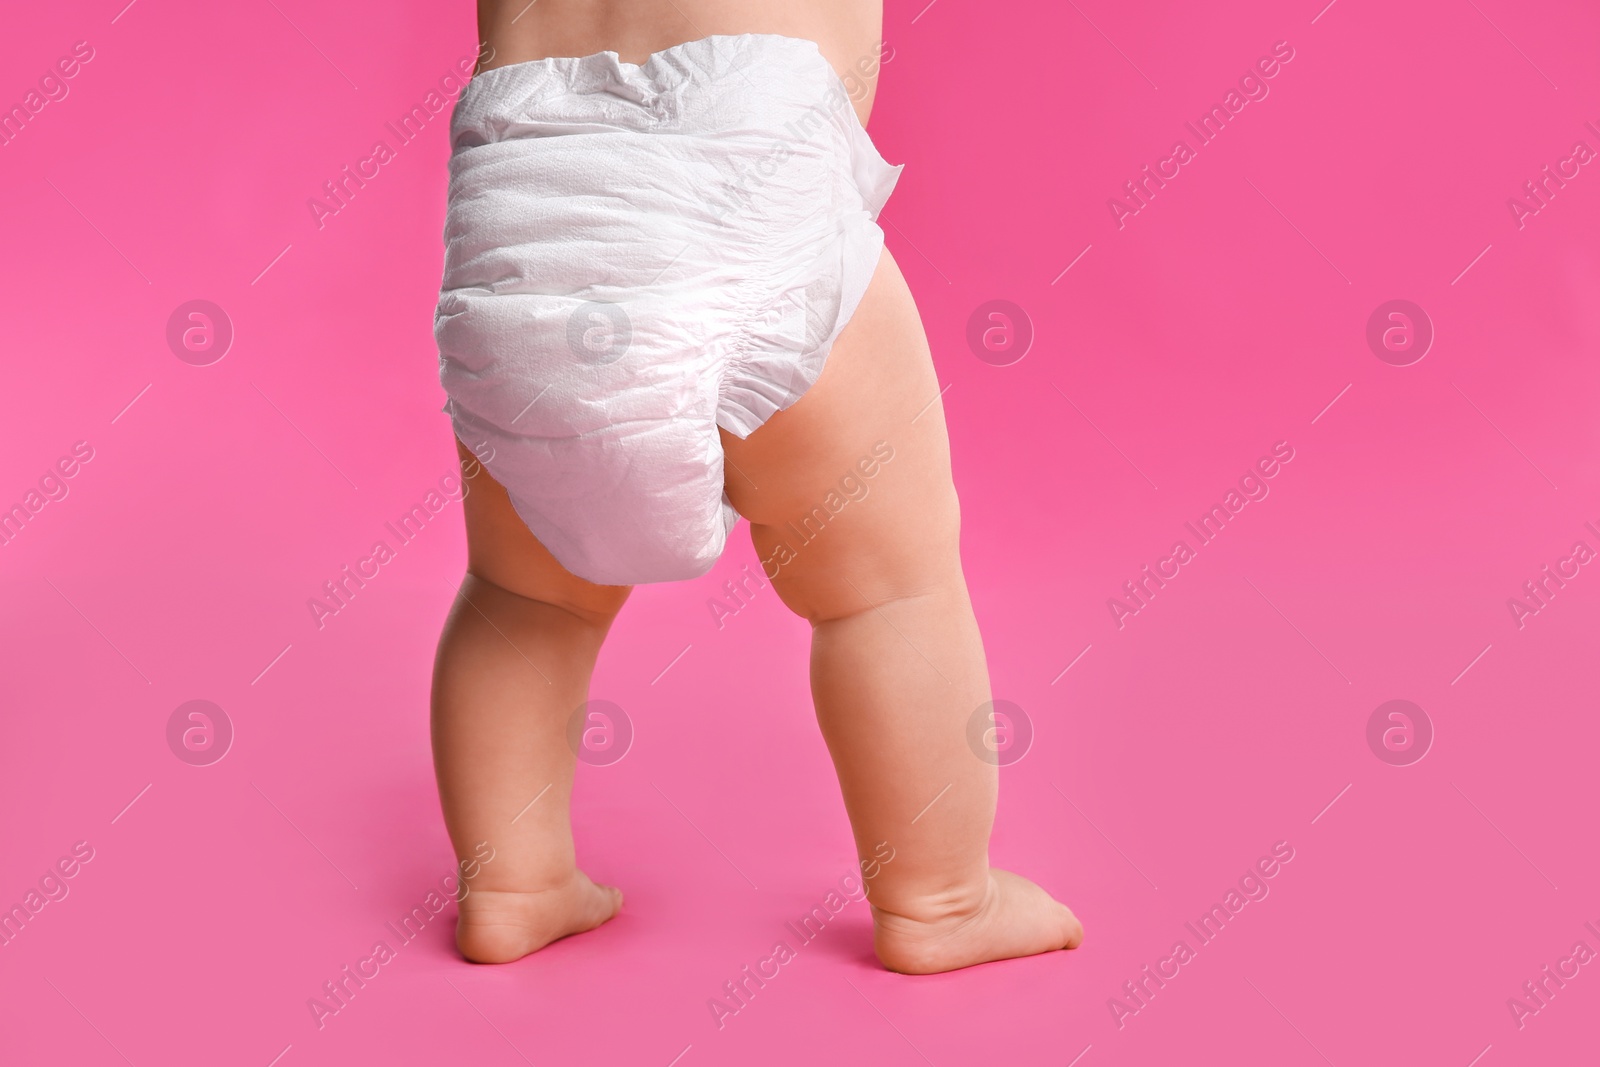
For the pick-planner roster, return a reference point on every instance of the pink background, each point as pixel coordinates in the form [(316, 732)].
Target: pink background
[(1224, 717)]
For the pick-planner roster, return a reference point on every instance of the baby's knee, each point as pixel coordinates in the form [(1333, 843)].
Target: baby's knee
[(590, 604), (836, 571)]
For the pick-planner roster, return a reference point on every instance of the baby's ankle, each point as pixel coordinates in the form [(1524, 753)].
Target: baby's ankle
[(528, 880), (939, 904), (499, 925), (1012, 917)]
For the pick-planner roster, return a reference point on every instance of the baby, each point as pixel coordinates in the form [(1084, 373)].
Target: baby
[(666, 305)]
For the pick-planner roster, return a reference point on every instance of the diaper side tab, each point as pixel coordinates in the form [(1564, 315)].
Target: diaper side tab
[(875, 176)]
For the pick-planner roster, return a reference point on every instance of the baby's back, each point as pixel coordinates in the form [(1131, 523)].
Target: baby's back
[(847, 31)]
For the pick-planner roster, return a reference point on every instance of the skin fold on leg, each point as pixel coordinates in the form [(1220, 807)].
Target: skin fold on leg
[(897, 662), (513, 663)]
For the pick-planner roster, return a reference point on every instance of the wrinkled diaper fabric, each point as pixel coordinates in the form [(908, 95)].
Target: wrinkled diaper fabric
[(635, 256)]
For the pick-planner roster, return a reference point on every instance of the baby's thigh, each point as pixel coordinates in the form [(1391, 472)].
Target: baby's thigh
[(503, 551), (848, 490)]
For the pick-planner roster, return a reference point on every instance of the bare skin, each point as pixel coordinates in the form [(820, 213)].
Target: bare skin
[(897, 663), (516, 30)]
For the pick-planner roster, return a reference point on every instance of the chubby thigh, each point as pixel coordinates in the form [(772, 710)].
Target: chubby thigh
[(848, 491)]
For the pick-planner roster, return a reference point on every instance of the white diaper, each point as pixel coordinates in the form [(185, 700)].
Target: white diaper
[(635, 256)]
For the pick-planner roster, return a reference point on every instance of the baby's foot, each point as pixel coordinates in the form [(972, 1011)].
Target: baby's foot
[(498, 926), (1015, 918)]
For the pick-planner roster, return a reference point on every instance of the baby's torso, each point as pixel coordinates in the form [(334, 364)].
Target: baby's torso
[(847, 32)]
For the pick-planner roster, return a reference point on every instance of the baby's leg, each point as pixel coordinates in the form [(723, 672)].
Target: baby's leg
[(897, 664), (513, 663)]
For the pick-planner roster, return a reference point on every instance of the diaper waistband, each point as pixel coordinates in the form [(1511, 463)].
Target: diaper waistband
[(594, 93)]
